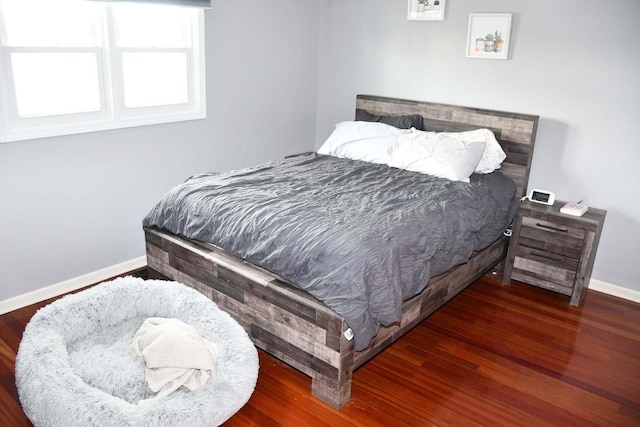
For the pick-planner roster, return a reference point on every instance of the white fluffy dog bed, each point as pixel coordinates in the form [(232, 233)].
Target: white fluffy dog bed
[(75, 368)]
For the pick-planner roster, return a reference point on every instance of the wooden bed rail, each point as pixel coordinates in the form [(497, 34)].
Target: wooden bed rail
[(289, 323)]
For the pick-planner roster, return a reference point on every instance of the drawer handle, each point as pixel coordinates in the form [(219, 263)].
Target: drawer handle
[(550, 227), (546, 256)]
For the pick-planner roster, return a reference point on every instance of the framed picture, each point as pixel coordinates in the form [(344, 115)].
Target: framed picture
[(426, 10), (489, 35)]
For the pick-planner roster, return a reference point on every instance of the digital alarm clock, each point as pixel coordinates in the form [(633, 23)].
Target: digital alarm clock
[(542, 196)]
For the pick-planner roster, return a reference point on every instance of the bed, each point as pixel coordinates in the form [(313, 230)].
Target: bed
[(298, 328)]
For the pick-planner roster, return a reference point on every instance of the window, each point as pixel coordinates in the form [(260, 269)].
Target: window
[(72, 66)]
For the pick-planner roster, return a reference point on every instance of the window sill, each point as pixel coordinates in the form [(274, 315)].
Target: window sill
[(27, 133)]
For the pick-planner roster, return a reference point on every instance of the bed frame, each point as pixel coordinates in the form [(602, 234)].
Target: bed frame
[(297, 328)]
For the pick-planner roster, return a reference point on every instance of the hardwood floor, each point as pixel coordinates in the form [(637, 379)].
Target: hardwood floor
[(494, 355)]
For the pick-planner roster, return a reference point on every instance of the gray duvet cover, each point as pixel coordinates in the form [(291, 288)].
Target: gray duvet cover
[(360, 237)]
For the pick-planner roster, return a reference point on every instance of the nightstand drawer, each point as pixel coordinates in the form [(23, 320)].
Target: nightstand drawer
[(548, 258), (543, 283), (546, 266), (551, 237)]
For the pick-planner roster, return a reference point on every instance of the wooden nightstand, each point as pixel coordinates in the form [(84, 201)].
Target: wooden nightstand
[(553, 250)]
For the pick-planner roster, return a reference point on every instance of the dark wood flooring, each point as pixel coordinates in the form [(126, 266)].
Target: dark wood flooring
[(493, 356)]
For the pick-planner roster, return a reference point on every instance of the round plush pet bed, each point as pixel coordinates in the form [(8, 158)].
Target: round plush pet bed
[(75, 366)]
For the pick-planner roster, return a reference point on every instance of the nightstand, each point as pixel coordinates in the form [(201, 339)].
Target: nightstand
[(553, 250)]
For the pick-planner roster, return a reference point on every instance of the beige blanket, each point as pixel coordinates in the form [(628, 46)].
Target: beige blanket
[(175, 355)]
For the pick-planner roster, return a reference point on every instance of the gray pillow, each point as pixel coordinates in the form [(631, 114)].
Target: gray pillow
[(401, 122)]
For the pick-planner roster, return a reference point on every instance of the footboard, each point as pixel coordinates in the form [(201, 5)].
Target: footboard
[(289, 323), (281, 319)]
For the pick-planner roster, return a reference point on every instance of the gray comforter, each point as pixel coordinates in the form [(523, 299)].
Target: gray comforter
[(360, 237)]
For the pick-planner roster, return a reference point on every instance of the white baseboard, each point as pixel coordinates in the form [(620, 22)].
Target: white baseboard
[(615, 290), (70, 285), (114, 270)]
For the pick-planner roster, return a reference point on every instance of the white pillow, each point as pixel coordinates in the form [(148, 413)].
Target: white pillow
[(436, 154), (493, 155), (367, 141), (372, 150)]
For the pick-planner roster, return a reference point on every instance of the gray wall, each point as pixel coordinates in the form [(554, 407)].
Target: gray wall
[(280, 74), (72, 205), (574, 62)]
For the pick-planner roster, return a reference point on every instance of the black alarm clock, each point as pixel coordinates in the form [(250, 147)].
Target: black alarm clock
[(542, 196)]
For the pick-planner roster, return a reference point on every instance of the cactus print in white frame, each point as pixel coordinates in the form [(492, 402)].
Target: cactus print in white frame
[(489, 35)]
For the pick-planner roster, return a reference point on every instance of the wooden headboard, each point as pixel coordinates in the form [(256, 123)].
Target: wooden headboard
[(515, 132)]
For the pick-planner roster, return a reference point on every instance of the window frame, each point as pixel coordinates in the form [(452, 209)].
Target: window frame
[(114, 114)]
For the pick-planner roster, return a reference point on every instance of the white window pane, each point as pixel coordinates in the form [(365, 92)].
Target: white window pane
[(154, 78), (46, 23), (55, 83), (152, 25)]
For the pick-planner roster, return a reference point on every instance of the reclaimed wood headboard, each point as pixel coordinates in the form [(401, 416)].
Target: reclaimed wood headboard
[(515, 132)]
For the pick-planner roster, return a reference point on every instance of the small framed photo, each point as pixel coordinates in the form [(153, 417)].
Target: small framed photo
[(426, 10), (489, 35)]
